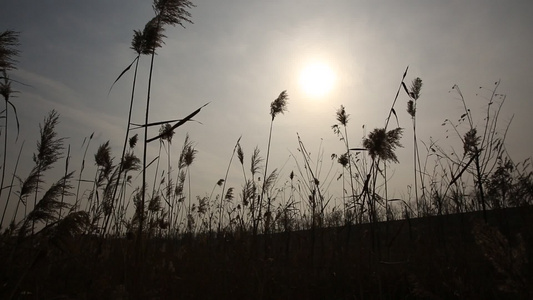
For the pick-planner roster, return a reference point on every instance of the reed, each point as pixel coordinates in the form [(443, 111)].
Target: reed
[(41, 241), (414, 95), (167, 12), (225, 180), (9, 42), (345, 159), (481, 147), (279, 105)]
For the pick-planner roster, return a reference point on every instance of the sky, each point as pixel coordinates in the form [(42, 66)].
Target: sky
[(240, 54)]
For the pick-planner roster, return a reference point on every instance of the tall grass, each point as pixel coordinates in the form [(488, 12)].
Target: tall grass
[(11, 186), (483, 147), (279, 105), (49, 147), (167, 12), (309, 184), (225, 180), (107, 202), (140, 45), (346, 158), (9, 42), (414, 95), (47, 228)]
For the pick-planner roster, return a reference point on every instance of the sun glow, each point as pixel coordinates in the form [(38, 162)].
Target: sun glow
[(317, 79)]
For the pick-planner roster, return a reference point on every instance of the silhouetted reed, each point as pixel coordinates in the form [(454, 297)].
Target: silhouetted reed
[(279, 105), (9, 42)]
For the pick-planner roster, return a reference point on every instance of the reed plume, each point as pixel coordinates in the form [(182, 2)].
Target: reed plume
[(279, 105), (9, 41), (49, 149), (381, 144), (414, 95), (47, 209)]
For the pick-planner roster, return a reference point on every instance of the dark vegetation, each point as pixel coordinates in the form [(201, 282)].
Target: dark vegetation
[(440, 257), (464, 231)]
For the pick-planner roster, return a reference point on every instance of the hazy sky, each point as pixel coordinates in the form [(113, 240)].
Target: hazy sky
[(239, 55)]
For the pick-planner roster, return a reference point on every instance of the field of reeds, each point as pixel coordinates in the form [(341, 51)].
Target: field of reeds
[(131, 229)]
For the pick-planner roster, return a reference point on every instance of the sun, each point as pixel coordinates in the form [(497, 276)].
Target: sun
[(317, 79)]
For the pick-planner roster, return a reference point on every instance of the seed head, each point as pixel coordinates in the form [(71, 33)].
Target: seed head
[(471, 141), (342, 116), (133, 140), (416, 87), (173, 12), (166, 132), (279, 105), (9, 40), (381, 144), (343, 159)]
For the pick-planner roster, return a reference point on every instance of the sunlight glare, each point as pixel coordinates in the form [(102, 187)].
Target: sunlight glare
[(317, 79)]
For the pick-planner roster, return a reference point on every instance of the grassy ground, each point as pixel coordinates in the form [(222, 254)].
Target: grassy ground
[(444, 257)]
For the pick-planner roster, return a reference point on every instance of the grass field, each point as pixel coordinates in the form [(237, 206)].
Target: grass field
[(441, 257), (129, 226)]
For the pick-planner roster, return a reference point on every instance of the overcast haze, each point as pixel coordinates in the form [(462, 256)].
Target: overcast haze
[(239, 55)]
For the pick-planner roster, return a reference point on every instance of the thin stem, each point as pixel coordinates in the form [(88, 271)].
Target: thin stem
[(64, 181), (11, 185), (120, 169), (349, 167), (224, 185), (6, 98), (265, 176), (81, 169), (145, 143)]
